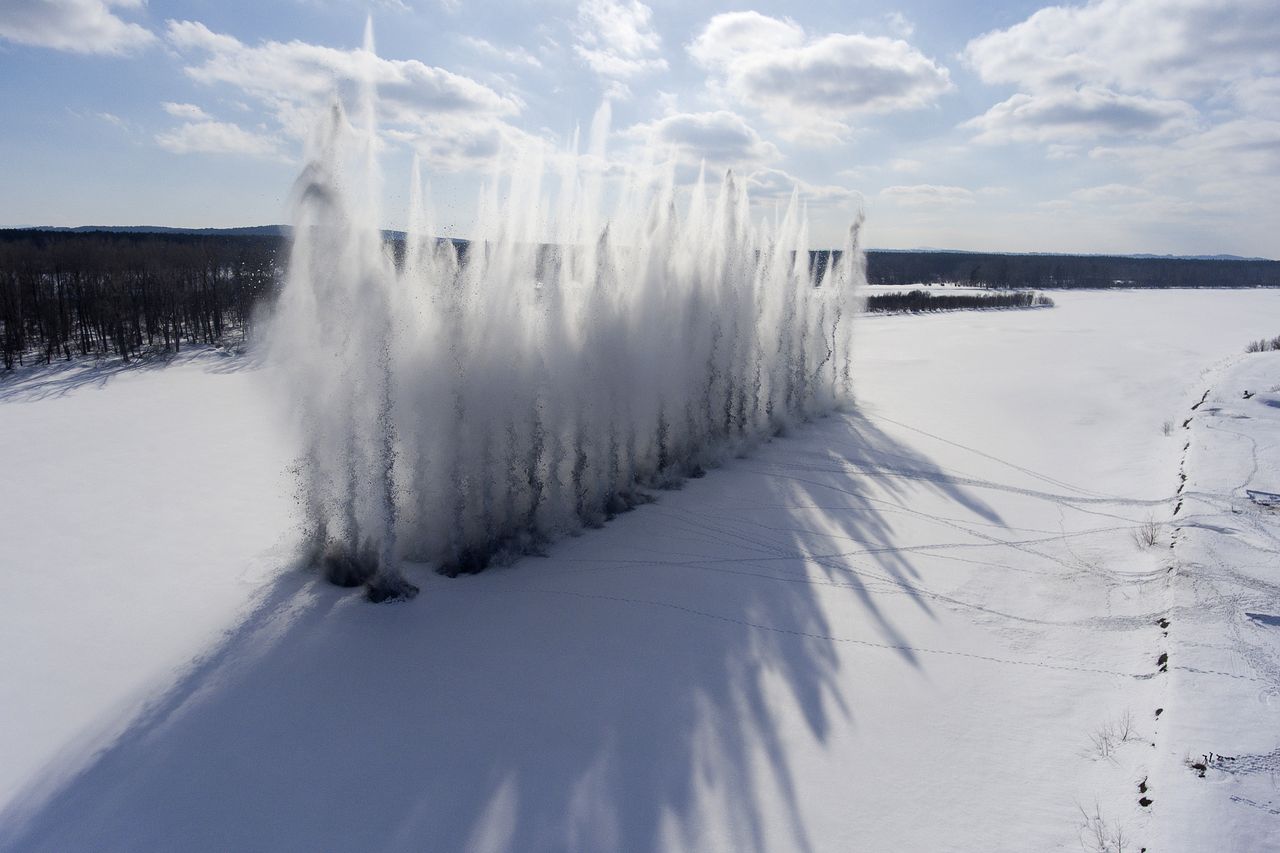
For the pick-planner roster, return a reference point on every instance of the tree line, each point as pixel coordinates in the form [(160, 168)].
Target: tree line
[(94, 293), (64, 295), (1043, 272), (917, 301)]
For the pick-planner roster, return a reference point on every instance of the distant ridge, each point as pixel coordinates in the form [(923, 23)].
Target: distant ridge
[(1201, 257), (930, 250), (1038, 270), (286, 230), (244, 231)]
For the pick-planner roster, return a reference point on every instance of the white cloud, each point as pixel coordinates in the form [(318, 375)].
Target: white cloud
[(1127, 203), (511, 55), (616, 38), (810, 87), (736, 35), (189, 112), (115, 120), (1129, 68), (927, 195), (454, 120), (79, 26), (902, 164), (457, 143), (1227, 177), (1236, 157), (775, 185), (899, 24), (298, 71), (1084, 113), (1062, 150), (216, 137), (1111, 194), (722, 138), (1183, 49), (1256, 95)]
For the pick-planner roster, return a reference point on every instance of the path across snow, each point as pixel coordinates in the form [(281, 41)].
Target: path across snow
[(921, 625), (1223, 690)]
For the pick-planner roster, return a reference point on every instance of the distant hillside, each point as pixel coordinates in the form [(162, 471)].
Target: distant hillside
[(1200, 257), (931, 250), (243, 231), (1044, 272), (894, 267), (391, 234)]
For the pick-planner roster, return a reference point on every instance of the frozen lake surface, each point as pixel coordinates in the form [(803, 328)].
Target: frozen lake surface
[(922, 624)]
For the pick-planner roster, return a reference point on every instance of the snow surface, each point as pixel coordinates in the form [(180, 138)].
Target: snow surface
[(1224, 624), (909, 626)]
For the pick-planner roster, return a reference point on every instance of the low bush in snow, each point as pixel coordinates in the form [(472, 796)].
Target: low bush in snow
[(1264, 345)]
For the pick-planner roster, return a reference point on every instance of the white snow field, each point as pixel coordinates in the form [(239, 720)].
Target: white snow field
[(1224, 633), (926, 624)]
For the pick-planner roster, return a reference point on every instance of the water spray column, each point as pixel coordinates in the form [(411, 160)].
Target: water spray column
[(336, 338), (458, 408)]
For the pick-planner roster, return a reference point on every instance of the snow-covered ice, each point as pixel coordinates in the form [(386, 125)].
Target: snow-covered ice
[(1224, 623), (924, 624)]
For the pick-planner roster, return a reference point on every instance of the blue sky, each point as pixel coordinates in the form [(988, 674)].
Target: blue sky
[(1107, 126)]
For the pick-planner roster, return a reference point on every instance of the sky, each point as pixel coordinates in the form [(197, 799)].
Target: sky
[(1103, 126)]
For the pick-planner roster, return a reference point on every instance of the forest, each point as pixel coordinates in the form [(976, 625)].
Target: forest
[(65, 294), (1047, 272)]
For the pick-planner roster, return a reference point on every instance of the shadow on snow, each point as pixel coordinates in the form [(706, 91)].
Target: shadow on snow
[(39, 381), (590, 701)]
